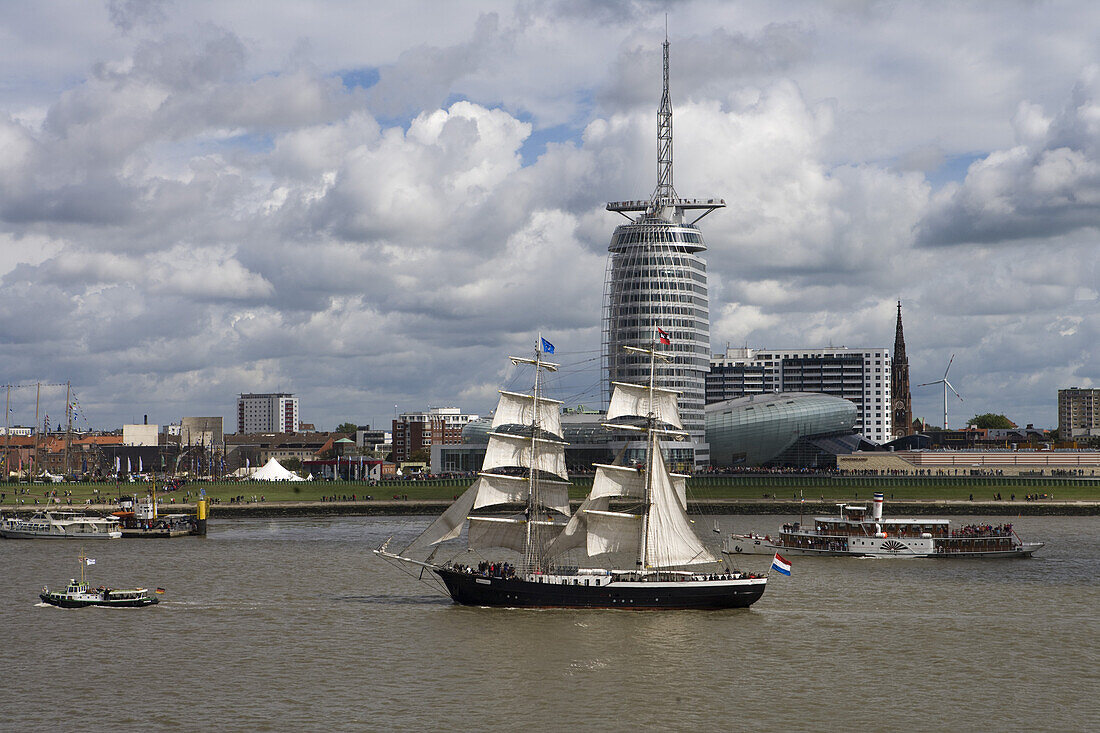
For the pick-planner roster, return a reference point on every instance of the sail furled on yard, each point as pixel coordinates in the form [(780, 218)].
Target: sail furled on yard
[(519, 409), (633, 400), (508, 451), (499, 489), (670, 539)]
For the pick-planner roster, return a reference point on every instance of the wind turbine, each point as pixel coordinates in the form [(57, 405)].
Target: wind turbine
[(946, 386)]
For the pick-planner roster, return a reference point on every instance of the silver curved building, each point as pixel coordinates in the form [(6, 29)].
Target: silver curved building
[(657, 279), (761, 429)]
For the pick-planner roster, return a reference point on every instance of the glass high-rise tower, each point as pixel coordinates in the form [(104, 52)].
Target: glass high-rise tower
[(657, 279)]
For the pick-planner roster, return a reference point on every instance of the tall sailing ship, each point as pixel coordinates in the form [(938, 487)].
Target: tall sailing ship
[(630, 544)]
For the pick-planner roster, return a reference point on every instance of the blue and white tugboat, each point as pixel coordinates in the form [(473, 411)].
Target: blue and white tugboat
[(81, 594), (853, 532), (643, 555)]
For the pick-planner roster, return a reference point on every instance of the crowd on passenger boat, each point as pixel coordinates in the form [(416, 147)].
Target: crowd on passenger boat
[(983, 530)]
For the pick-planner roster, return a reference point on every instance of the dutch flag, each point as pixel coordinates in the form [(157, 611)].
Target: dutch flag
[(780, 564)]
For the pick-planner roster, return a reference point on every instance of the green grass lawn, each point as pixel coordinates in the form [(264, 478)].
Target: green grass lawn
[(781, 488)]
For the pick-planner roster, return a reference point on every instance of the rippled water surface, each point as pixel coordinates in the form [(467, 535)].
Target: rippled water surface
[(292, 623)]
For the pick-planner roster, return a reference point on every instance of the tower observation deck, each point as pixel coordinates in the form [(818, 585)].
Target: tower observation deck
[(657, 278)]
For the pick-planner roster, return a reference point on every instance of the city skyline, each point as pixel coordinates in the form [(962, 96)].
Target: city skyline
[(366, 207)]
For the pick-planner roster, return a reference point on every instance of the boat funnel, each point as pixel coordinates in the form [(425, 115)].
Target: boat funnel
[(876, 509)]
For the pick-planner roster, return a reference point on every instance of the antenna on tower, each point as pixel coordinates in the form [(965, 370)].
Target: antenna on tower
[(665, 204), (664, 191)]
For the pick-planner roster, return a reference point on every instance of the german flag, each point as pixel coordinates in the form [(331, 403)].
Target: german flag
[(160, 590)]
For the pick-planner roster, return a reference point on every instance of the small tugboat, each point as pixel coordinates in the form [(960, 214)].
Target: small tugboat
[(81, 594), (854, 533)]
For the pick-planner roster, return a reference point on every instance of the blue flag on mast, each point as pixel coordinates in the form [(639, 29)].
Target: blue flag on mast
[(547, 347)]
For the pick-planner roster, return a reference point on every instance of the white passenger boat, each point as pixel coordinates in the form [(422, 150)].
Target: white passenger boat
[(61, 524), (853, 532)]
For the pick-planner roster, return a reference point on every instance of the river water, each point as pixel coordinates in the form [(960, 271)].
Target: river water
[(287, 624)]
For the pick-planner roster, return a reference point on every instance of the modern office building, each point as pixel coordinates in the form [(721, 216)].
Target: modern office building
[(806, 430), (415, 431), (861, 376), (901, 399), (1078, 413), (655, 289), (267, 413)]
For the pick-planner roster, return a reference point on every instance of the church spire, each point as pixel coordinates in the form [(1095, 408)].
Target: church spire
[(899, 340), (901, 401)]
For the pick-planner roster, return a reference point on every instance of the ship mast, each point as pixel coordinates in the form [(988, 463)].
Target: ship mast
[(7, 437), (651, 423), (34, 457), (532, 551), (68, 425), (533, 555)]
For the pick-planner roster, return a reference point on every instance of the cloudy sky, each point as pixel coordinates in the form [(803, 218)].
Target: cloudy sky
[(372, 204)]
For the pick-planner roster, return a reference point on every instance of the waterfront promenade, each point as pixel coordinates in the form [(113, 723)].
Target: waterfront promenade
[(399, 507)]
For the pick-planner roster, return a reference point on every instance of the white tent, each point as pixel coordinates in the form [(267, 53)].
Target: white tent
[(274, 471)]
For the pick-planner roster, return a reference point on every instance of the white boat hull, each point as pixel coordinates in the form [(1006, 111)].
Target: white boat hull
[(747, 544), (869, 547), (16, 534)]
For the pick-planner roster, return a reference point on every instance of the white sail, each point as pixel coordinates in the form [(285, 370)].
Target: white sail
[(633, 400), (498, 489), (493, 532), (617, 481), (680, 483), (449, 524), (575, 534), (519, 409), (515, 450), (670, 539), (613, 532)]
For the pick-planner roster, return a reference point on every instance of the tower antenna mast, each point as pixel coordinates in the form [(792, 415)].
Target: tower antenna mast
[(664, 192)]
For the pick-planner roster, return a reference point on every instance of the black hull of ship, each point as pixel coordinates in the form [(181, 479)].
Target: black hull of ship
[(479, 590), (70, 603)]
